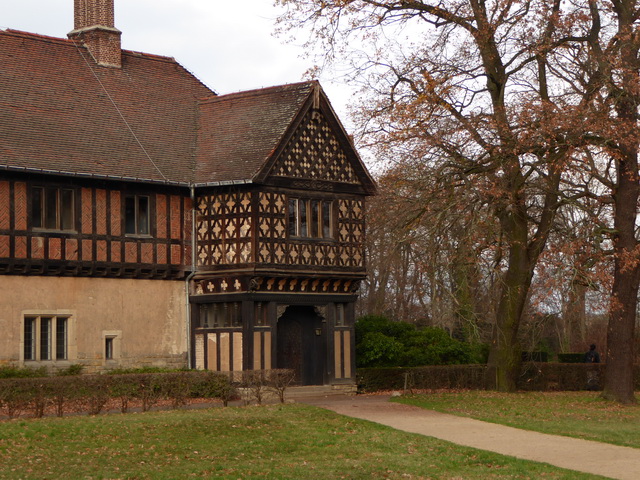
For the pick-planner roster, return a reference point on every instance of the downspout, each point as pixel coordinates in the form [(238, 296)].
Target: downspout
[(191, 275)]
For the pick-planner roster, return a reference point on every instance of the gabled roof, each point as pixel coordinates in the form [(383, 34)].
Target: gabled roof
[(61, 113), (239, 132), (242, 135), (149, 121)]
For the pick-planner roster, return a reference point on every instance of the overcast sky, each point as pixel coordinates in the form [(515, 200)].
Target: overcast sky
[(228, 45)]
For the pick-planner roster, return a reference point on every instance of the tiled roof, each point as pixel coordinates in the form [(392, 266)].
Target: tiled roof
[(149, 121), (239, 132), (59, 112)]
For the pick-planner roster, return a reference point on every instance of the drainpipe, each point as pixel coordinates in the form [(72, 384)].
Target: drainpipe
[(191, 275)]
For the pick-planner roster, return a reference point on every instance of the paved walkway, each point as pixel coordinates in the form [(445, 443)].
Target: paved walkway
[(574, 454)]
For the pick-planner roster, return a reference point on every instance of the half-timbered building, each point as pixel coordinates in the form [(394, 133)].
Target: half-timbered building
[(145, 220)]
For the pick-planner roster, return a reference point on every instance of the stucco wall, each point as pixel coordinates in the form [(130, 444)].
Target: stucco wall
[(146, 318)]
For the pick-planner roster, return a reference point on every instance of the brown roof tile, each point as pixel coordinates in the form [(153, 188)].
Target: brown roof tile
[(239, 132), (62, 113)]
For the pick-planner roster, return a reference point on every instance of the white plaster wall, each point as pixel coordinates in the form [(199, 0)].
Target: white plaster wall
[(149, 317)]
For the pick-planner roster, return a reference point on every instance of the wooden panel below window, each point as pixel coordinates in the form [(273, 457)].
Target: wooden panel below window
[(262, 350), (342, 353), (199, 349)]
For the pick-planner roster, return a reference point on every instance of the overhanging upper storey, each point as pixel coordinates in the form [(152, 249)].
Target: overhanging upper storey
[(286, 136)]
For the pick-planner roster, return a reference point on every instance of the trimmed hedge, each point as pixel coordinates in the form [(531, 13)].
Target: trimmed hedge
[(533, 377), (20, 395), (422, 378), (571, 357)]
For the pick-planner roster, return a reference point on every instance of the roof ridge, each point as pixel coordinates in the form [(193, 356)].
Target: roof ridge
[(36, 36), (260, 91)]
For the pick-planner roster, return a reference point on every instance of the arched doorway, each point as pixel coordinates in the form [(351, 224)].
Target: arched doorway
[(301, 344)]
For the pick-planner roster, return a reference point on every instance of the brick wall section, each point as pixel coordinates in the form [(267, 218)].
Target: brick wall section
[(87, 250), (99, 235), (131, 252), (147, 253), (101, 212), (101, 251), (5, 244), (37, 248), (161, 216), (21, 247), (86, 216), (188, 222), (20, 189), (176, 254), (55, 249), (71, 249), (116, 252), (162, 254), (116, 215), (93, 12), (174, 212), (5, 202)]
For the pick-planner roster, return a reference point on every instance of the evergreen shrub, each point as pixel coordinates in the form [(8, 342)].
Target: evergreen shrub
[(381, 342)]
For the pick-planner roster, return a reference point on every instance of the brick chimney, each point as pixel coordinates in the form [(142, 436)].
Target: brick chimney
[(94, 28)]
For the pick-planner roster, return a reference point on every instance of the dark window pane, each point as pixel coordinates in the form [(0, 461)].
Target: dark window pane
[(130, 215), (45, 339), (29, 338), (66, 209), (261, 314), (302, 212), (293, 217), (51, 208), (143, 215), (326, 220), (36, 207), (340, 319), (236, 318), (108, 348), (61, 339), (315, 214), (218, 314)]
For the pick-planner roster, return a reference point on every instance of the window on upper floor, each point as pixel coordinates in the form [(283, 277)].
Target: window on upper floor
[(45, 337), (137, 215), (53, 208), (311, 218)]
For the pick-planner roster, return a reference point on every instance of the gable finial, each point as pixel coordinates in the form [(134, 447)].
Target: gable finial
[(316, 96)]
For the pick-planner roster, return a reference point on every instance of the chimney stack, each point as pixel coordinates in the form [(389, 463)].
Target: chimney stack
[(94, 28)]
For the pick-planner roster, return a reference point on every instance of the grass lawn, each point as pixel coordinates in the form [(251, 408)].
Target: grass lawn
[(269, 442), (574, 414)]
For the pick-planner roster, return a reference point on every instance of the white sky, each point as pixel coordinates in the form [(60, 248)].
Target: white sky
[(227, 44)]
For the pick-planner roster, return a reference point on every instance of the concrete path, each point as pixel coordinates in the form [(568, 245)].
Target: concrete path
[(581, 455)]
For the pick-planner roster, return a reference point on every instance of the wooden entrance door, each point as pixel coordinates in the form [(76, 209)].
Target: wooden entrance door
[(301, 344)]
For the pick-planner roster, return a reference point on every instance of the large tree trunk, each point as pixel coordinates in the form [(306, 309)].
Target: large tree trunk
[(618, 383), (505, 356), (622, 317)]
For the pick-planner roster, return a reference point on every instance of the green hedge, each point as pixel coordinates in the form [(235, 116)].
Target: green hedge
[(571, 357), (36, 394), (533, 377), (430, 377)]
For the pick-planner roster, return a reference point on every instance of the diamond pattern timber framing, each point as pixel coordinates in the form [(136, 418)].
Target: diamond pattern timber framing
[(224, 229), (314, 153), (275, 248)]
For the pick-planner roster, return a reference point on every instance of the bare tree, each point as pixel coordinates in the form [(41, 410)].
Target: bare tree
[(464, 91)]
